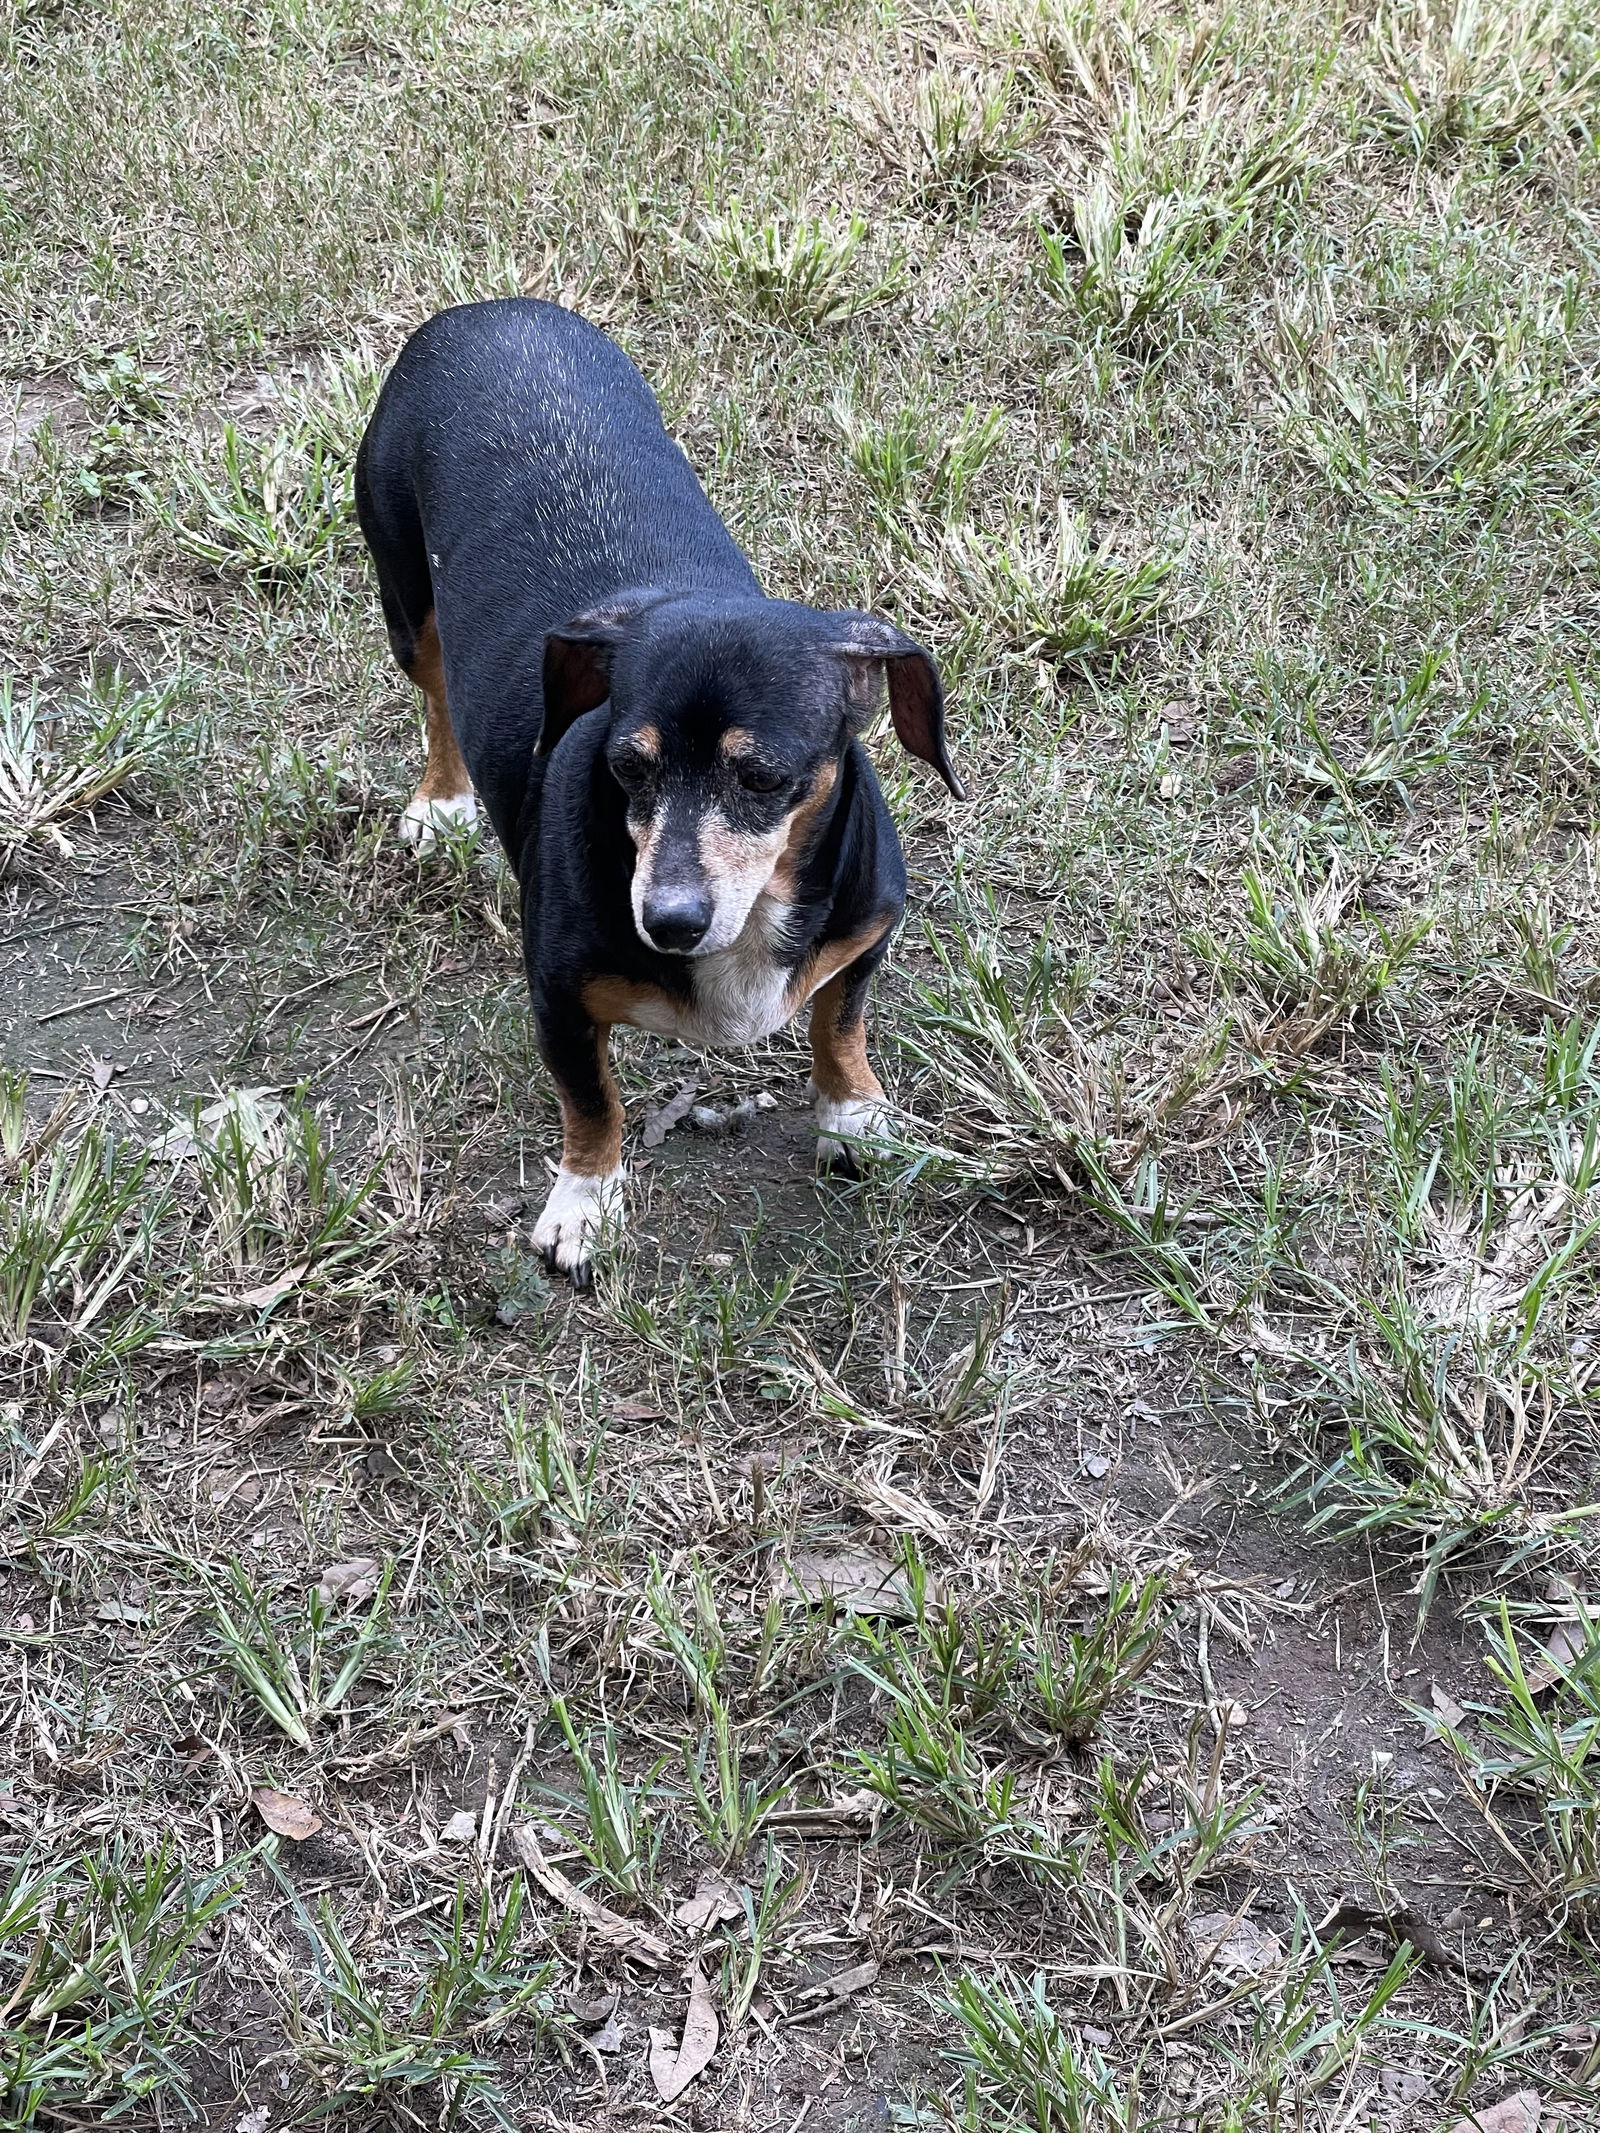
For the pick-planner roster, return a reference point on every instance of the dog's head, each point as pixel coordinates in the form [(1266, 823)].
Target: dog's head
[(729, 722)]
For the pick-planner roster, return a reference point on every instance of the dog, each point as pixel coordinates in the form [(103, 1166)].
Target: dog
[(671, 759)]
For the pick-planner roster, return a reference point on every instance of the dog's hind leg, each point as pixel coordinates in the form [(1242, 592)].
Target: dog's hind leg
[(587, 1194), (445, 798), (393, 532), (850, 1103)]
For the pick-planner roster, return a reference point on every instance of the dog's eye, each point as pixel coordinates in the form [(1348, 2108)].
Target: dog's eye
[(754, 777), (632, 772)]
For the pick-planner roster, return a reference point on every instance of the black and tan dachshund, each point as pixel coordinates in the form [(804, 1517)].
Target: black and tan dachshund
[(670, 758)]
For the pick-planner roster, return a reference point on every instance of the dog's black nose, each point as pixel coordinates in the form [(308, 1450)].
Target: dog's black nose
[(676, 919)]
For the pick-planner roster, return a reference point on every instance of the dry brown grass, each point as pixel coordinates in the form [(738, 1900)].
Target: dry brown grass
[(1045, 1599)]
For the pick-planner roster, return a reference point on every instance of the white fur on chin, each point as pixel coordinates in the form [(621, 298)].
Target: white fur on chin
[(423, 820), (577, 1210)]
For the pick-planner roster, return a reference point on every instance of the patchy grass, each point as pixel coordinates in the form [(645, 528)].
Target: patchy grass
[(1091, 1627)]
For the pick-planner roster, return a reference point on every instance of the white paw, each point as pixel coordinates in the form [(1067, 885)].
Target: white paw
[(426, 821), (844, 1124), (576, 1212)]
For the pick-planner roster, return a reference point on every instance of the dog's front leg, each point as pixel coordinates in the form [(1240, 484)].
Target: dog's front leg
[(850, 1103), (587, 1194)]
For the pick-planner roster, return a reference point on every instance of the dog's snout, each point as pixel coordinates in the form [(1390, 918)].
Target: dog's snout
[(677, 918)]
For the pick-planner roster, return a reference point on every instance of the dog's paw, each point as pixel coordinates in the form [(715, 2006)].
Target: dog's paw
[(846, 1128), (426, 822), (576, 1212)]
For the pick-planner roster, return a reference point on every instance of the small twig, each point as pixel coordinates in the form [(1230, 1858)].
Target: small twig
[(78, 1007), (1405, 1924), (332, 977)]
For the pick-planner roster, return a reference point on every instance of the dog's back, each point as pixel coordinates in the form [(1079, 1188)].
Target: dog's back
[(563, 489)]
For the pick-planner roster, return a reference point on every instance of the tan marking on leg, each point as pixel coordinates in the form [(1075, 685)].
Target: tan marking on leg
[(591, 1142), (831, 958), (840, 1068), (611, 1000), (445, 777), (586, 1193), (785, 880)]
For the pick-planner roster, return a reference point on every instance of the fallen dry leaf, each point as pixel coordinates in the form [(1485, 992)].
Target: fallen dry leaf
[(1512, 2114), (1446, 1707), (610, 1928), (354, 1581), (636, 1410), (272, 1292), (176, 1145), (673, 2067), (284, 1814), (897, 1508), (608, 2037), (588, 2010), (715, 1898), (1566, 1642), (660, 1122), (853, 1578), (1235, 1943)]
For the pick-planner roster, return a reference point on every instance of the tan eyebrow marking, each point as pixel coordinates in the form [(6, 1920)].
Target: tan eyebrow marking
[(646, 739), (736, 742)]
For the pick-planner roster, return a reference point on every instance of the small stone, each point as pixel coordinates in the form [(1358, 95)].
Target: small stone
[(461, 1828), (1512, 2114), (1403, 2084)]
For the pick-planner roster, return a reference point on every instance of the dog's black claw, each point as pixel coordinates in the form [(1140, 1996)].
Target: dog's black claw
[(581, 1276), (843, 1166)]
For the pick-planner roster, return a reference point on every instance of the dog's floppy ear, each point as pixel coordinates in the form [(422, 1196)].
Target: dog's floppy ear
[(577, 661), (916, 699)]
